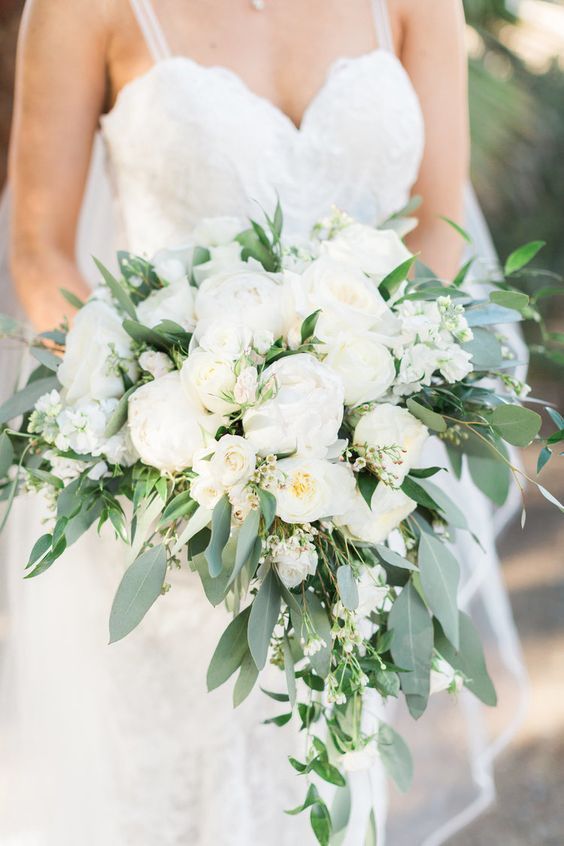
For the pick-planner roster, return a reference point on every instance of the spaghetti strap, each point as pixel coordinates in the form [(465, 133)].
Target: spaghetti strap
[(151, 29), (382, 25)]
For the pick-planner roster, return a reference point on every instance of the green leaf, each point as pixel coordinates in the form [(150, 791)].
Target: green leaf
[(522, 256), (490, 474), (230, 652), (71, 298), (327, 772), (280, 720), (468, 659), (395, 756), (367, 484), (308, 326), (118, 417), (417, 492), (462, 232), (145, 335), (245, 542), (24, 400), (550, 498), (278, 222), (312, 797), (390, 283), (348, 590), (289, 670), (440, 574), (6, 454), (117, 290), (139, 588), (10, 326), (424, 472), (556, 417), (515, 424), (180, 506), (221, 529), (460, 277), (544, 456), (341, 809), (201, 255), (264, 616), (253, 247), (321, 661), (46, 358), (267, 507), (412, 646), (320, 820), (510, 299), (277, 697), (248, 674), (485, 350), (69, 501), (40, 547), (556, 437), (430, 418)]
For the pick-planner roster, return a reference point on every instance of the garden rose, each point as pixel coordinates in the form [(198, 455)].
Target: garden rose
[(365, 366), (173, 302), (374, 251), (311, 489), (208, 379), (390, 425), (249, 297), (387, 510)]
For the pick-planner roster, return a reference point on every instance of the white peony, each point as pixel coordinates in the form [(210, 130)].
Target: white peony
[(251, 298), (373, 525), (208, 379), (365, 366), (206, 489), (347, 299), (310, 489), (96, 347), (305, 413), (390, 425), (294, 564), (173, 302), (222, 260), (216, 231), (166, 425), (374, 251), (155, 363)]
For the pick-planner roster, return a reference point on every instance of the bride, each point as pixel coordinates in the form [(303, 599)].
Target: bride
[(210, 108)]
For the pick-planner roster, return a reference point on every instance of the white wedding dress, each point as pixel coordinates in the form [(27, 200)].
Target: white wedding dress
[(122, 745)]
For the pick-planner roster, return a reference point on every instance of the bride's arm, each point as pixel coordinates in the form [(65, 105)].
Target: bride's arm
[(434, 55), (60, 90)]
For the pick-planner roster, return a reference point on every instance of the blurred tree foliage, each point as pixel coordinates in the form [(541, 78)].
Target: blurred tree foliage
[(517, 123)]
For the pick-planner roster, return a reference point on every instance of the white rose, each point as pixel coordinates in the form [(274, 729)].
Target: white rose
[(245, 390), (262, 341), (347, 299), (250, 298), (305, 413), (390, 425), (173, 302), (95, 346), (365, 366), (372, 590), (173, 265), (155, 363), (234, 461), (294, 565), (224, 338), (443, 676), (374, 251), (206, 490), (166, 425), (217, 231), (310, 489), (208, 378), (373, 525)]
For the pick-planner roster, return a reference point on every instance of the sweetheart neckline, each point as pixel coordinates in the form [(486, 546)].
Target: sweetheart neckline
[(234, 77)]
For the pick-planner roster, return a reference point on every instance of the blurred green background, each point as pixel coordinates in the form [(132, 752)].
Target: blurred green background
[(516, 54)]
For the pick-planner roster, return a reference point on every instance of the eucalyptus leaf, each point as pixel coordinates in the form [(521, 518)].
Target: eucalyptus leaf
[(522, 256), (117, 290), (490, 314), (544, 456), (289, 670), (264, 615), (415, 490), (430, 418), (248, 674), (6, 454), (230, 652), (321, 661), (180, 506), (440, 575), (450, 509), (390, 283), (118, 417), (485, 350), (245, 542), (550, 498), (267, 507), (139, 588), (308, 326), (348, 590), (46, 358), (393, 558), (145, 335), (220, 528), (488, 471), (24, 400), (516, 425), (395, 756), (367, 484), (510, 299), (412, 646), (468, 659)]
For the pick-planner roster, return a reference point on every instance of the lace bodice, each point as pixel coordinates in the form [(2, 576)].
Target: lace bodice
[(187, 141)]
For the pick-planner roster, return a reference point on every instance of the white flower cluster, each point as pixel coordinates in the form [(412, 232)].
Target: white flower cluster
[(295, 557)]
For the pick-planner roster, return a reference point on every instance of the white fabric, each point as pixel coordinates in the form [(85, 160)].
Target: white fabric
[(122, 745)]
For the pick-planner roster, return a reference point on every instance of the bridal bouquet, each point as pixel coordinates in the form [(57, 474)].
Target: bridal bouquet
[(265, 407)]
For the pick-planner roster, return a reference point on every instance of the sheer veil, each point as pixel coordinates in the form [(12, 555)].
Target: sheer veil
[(455, 742)]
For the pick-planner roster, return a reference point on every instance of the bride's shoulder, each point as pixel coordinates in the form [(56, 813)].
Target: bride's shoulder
[(435, 18), (68, 15)]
